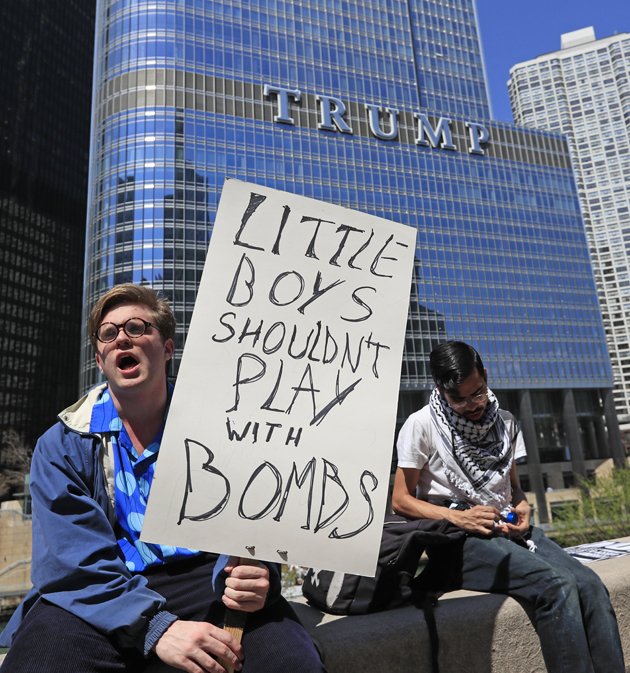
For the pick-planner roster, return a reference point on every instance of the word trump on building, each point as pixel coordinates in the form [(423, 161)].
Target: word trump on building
[(280, 432)]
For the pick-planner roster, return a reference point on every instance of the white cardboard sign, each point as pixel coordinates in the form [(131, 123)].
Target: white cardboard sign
[(279, 438)]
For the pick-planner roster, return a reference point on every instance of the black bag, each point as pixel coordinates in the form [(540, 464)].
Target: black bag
[(395, 583)]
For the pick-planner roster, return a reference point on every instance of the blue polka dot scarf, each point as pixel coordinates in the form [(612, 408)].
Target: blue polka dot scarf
[(133, 476)]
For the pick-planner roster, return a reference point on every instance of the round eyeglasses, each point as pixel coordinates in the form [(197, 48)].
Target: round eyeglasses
[(476, 399), (133, 328)]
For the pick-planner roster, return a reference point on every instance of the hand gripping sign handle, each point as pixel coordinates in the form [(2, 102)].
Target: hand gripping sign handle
[(235, 619)]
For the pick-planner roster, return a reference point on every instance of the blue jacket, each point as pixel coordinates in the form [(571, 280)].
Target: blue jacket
[(76, 561)]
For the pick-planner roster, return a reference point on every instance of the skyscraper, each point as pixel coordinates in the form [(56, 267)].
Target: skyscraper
[(46, 57), (582, 90), (382, 109)]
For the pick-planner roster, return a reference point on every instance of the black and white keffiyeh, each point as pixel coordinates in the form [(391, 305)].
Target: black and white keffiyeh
[(476, 455)]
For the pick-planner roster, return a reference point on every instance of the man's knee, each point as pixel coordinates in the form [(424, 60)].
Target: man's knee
[(557, 588), (51, 639), (586, 580), (591, 588), (276, 641)]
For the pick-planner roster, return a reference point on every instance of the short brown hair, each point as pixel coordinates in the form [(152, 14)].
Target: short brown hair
[(127, 293)]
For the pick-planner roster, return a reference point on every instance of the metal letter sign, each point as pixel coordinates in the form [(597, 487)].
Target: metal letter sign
[(332, 112)]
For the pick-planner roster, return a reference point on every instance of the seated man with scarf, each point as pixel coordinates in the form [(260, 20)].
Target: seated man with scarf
[(456, 461)]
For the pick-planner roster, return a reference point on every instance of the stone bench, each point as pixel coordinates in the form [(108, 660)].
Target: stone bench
[(483, 633)]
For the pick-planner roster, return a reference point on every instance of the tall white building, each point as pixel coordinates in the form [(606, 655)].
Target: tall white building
[(582, 90)]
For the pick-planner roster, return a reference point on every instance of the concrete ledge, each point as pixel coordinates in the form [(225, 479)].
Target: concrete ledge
[(483, 633)]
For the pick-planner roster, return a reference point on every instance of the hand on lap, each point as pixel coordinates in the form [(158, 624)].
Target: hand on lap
[(188, 646)]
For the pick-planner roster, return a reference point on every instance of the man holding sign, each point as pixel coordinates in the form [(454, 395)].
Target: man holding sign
[(102, 599)]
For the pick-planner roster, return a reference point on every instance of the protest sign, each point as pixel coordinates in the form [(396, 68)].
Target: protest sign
[(279, 438)]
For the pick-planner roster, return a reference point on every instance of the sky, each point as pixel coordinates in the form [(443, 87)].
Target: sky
[(516, 30)]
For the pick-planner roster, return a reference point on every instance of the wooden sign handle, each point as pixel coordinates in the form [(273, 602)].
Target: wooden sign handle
[(235, 619)]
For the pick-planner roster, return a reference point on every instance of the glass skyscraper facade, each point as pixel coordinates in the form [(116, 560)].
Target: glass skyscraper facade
[(583, 90), (45, 100), (380, 107)]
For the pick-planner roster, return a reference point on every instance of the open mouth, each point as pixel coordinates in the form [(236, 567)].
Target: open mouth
[(127, 362)]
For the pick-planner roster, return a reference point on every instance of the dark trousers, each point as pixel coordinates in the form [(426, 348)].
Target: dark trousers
[(52, 640), (573, 616)]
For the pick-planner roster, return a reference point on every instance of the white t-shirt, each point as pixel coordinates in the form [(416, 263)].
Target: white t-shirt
[(416, 449)]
